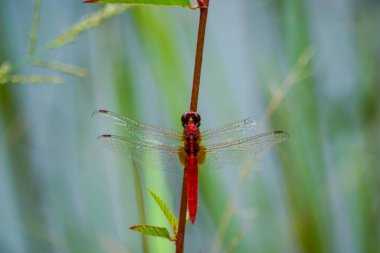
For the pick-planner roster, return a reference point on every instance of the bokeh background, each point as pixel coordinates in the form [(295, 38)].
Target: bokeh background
[(308, 67)]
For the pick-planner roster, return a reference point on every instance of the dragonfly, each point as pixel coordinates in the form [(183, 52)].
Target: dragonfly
[(156, 147)]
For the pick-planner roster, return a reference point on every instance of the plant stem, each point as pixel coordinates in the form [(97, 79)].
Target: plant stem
[(203, 4), (199, 54), (182, 218)]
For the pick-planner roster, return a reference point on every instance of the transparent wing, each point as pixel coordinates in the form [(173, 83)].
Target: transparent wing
[(147, 154), (227, 133), (221, 154), (143, 132), (158, 148)]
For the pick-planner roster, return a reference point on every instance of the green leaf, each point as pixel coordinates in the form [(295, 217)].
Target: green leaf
[(152, 231), (183, 3), (166, 211)]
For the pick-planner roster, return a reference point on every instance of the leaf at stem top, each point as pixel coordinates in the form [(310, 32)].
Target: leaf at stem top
[(152, 231), (166, 211), (183, 3)]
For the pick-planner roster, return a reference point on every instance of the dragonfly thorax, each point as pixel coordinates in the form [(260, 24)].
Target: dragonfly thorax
[(191, 136)]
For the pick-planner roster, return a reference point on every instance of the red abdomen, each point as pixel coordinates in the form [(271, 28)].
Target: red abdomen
[(192, 185)]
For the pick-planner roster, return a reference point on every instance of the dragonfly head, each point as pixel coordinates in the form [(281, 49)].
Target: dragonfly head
[(193, 116)]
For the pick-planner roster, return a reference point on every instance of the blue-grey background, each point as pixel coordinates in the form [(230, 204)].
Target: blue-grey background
[(308, 67)]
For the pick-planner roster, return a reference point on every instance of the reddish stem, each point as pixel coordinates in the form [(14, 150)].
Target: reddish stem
[(203, 4), (182, 218)]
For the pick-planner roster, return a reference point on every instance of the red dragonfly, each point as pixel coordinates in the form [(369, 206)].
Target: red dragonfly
[(151, 145)]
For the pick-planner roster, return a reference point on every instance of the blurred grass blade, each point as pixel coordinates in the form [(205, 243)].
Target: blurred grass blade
[(140, 205), (299, 72), (64, 68), (166, 211), (183, 3), (152, 231), (35, 79), (5, 68), (87, 23), (34, 29)]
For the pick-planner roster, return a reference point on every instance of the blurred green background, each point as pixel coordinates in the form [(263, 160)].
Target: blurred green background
[(308, 67)]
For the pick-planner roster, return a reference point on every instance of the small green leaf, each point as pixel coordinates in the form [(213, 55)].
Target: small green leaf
[(165, 209), (183, 3), (152, 231)]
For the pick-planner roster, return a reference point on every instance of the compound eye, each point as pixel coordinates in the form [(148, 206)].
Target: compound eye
[(184, 119), (197, 118)]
